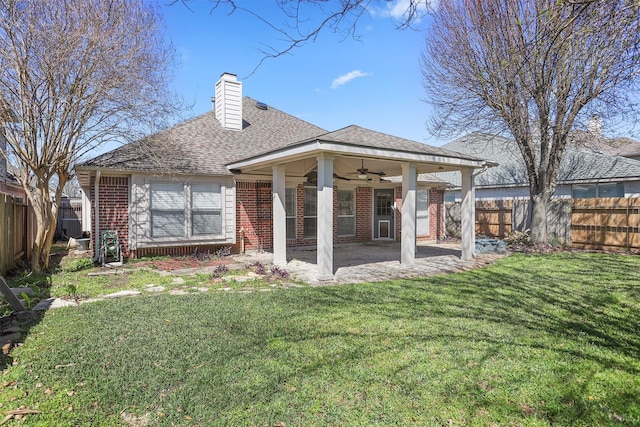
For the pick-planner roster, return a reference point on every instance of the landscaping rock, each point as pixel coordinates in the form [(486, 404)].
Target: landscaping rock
[(490, 246), (49, 303), (154, 289), (178, 280), (123, 294)]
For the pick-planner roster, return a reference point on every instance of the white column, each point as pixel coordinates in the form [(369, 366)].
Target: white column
[(408, 243), (279, 217), (325, 217), (468, 220)]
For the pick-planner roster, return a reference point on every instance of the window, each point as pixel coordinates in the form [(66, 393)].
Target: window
[(180, 211), (422, 212), (310, 212), (585, 191), (206, 210), (290, 207), (167, 210), (346, 213), (611, 190)]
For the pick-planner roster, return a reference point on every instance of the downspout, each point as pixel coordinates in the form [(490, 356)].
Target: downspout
[(96, 218)]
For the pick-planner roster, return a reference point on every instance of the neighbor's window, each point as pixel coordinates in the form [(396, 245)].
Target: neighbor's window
[(346, 213), (184, 210), (167, 209), (310, 212), (206, 209), (422, 212), (290, 207), (611, 190), (585, 191)]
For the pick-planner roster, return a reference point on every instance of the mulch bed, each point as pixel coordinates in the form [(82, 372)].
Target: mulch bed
[(179, 263)]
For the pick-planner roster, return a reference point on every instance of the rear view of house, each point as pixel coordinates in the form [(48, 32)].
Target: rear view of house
[(252, 177)]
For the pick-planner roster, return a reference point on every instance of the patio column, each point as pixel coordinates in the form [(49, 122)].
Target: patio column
[(468, 220), (279, 217), (325, 217), (408, 243)]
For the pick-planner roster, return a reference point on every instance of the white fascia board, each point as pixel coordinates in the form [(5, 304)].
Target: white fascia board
[(305, 150)]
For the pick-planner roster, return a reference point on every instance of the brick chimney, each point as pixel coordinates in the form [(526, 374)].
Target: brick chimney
[(228, 102)]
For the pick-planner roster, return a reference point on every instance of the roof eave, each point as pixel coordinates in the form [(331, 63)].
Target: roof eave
[(317, 146)]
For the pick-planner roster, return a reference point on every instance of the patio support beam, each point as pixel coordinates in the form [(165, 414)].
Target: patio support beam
[(279, 217), (325, 217), (408, 242), (468, 220)]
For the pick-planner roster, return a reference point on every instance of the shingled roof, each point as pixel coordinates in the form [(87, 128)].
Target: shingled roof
[(202, 146), (358, 136), (576, 165)]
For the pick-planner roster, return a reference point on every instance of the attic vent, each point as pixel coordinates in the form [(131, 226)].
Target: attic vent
[(261, 105)]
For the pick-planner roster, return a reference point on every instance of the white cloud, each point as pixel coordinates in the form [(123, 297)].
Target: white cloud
[(397, 9), (345, 78)]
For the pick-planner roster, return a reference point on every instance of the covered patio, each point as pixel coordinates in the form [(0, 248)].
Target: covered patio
[(378, 261), (331, 158)]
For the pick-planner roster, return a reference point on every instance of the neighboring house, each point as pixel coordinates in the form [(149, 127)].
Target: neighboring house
[(249, 176), (8, 183), (583, 173)]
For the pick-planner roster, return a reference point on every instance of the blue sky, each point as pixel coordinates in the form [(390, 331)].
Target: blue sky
[(373, 82)]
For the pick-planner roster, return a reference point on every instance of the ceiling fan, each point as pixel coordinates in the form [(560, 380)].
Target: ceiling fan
[(363, 172), (312, 177)]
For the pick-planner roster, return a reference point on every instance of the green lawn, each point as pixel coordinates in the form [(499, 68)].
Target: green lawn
[(532, 340)]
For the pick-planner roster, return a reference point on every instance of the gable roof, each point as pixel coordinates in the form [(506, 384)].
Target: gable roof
[(202, 146), (358, 136), (576, 165)]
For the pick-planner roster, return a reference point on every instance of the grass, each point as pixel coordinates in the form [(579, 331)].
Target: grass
[(532, 340), (77, 272)]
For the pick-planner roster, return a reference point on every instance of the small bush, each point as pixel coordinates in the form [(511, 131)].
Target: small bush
[(201, 256), (77, 264), (222, 252), (258, 268), (518, 238), (220, 271), (279, 273)]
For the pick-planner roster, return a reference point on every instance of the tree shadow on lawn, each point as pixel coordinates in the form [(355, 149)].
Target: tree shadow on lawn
[(40, 283), (523, 297)]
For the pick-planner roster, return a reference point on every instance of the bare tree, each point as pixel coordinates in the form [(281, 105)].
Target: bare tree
[(532, 69), (302, 21), (75, 75)]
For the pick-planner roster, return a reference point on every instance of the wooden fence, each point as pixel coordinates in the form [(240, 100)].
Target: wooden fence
[(69, 223), (17, 228), (606, 224), (609, 223)]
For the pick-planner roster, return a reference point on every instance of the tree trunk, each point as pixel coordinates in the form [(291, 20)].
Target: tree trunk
[(45, 229), (539, 208)]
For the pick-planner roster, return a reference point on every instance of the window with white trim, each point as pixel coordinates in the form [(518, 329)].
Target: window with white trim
[(167, 209), (181, 210), (422, 212), (290, 208), (346, 213), (206, 210), (310, 212)]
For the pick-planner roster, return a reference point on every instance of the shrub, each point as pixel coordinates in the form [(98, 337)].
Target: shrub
[(77, 264), (518, 238)]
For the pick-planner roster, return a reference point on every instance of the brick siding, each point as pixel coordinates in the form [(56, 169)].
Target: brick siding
[(113, 205)]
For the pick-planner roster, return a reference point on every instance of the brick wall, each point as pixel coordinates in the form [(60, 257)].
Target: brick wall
[(253, 210), (436, 214), (113, 207)]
